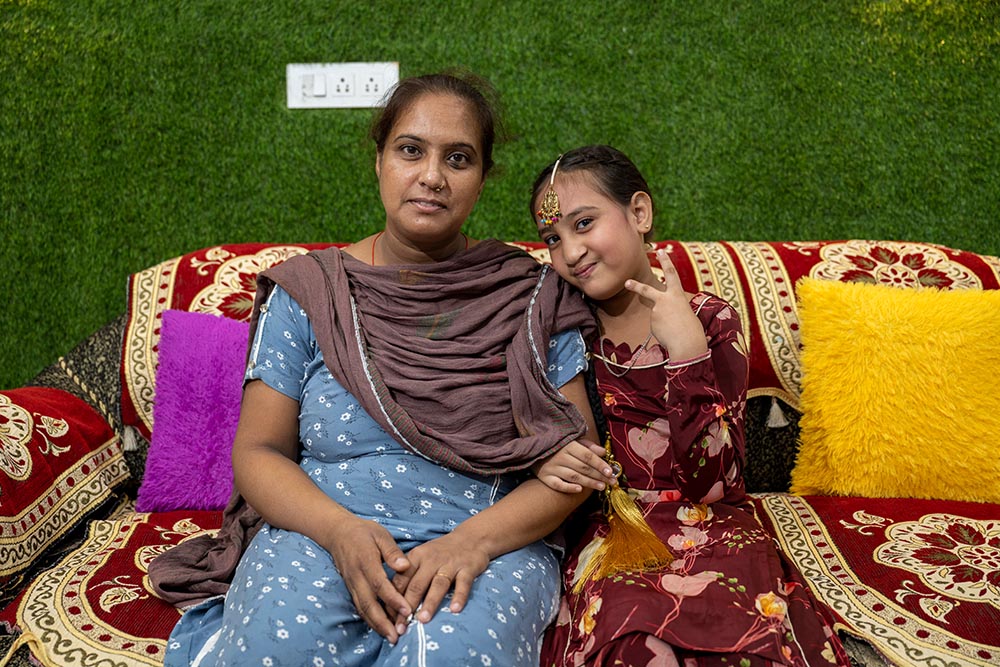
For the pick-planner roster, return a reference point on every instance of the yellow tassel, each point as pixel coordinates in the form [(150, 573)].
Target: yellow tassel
[(630, 545)]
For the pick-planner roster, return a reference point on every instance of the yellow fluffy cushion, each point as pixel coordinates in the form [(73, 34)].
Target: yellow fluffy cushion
[(900, 392)]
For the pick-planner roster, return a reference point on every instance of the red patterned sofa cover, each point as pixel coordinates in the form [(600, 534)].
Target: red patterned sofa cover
[(912, 581)]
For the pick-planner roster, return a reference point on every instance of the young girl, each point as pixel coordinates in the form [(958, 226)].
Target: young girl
[(671, 375)]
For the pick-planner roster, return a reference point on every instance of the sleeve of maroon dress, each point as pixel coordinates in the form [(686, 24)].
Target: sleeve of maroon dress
[(705, 406)]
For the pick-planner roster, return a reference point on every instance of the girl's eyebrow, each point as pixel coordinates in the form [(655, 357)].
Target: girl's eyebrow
[(580, 209)]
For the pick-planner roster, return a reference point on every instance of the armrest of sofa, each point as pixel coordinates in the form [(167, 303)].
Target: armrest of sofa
[(91, 372), (61, 464)]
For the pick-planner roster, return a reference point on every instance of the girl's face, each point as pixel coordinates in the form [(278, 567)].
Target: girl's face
[(430, 172), (597, 244)]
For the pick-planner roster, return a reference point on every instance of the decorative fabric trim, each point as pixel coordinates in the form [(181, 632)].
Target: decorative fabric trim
[(527, 318), (891, 571), (93, 478), (96, 606), (597, 355), (689, 362), (770, 291), (60, 462), (216, 280)]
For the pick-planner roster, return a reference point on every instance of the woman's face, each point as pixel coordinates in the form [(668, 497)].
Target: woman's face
[(430, 171)]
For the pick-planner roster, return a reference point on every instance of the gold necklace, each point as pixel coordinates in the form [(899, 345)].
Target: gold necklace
[(635, 358)]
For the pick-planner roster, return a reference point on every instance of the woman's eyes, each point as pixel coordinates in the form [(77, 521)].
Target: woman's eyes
[(456, 160), (550, 240), (583, 223)]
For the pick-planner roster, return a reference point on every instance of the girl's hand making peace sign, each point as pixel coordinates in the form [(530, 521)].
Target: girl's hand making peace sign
[(673, 323)]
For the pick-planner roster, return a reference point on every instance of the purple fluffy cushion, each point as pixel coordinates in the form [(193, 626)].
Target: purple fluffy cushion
[(199, 383)]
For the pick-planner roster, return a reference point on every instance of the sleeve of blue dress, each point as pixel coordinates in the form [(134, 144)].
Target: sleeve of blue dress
[(284, 346), (566, 357)]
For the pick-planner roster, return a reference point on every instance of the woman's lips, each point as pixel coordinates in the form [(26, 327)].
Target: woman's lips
[(428, 205)]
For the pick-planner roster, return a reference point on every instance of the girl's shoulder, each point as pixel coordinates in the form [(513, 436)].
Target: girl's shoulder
[(707, 301), (708, 307)]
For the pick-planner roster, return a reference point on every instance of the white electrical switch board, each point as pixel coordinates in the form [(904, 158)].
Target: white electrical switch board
[(339, 85)]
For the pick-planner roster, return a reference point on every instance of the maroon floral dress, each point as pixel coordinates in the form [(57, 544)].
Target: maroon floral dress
[(729, 598)]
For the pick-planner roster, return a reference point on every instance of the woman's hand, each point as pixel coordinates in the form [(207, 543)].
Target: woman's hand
[(265, 465), (442, 564), (359, 548), (671, 319), (576, 466)]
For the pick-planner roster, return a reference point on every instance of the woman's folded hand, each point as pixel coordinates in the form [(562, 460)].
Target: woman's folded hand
[(436, 567), (359, 548)]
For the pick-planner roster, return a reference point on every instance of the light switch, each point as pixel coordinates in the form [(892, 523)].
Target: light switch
[(319, 85)]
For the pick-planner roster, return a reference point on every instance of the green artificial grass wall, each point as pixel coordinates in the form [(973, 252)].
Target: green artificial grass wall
[(133, 132)]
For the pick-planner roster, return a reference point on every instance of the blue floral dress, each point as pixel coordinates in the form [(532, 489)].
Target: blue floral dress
[(288, 604)]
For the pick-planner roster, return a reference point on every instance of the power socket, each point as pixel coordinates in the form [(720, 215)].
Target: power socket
[(372, 85), (339, 85), (343, 85)]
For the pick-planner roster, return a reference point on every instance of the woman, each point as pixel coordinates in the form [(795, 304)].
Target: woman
[(395, 392)]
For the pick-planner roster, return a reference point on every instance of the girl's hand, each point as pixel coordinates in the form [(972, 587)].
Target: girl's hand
[(438, 566), (576, 466), (671, 319), (359, 548)]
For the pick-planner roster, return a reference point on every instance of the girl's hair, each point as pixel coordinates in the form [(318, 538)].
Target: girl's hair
[(477, 91), (614, 174)]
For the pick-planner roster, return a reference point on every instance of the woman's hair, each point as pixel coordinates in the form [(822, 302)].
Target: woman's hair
[(475, 90), (614, 174)]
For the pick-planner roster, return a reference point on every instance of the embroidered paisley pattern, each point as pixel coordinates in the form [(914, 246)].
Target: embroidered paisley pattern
[(235, 282), (896, 264), (953, 555), (16, 426)]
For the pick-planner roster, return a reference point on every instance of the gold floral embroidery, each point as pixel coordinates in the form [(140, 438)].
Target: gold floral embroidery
[(865, 522), (56, 428), (770, 605), (16, 426), (589, 620), (955, 556), (122, 593)]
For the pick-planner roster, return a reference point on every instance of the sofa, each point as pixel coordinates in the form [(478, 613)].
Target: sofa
[(872, 447)]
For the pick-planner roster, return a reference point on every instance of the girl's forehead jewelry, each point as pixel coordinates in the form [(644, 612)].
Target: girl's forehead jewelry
[(549, 213)]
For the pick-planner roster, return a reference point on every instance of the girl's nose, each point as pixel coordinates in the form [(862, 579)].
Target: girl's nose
[(573, 249)]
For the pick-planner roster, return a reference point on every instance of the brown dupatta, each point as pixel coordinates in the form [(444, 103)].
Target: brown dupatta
[(447, 357)]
